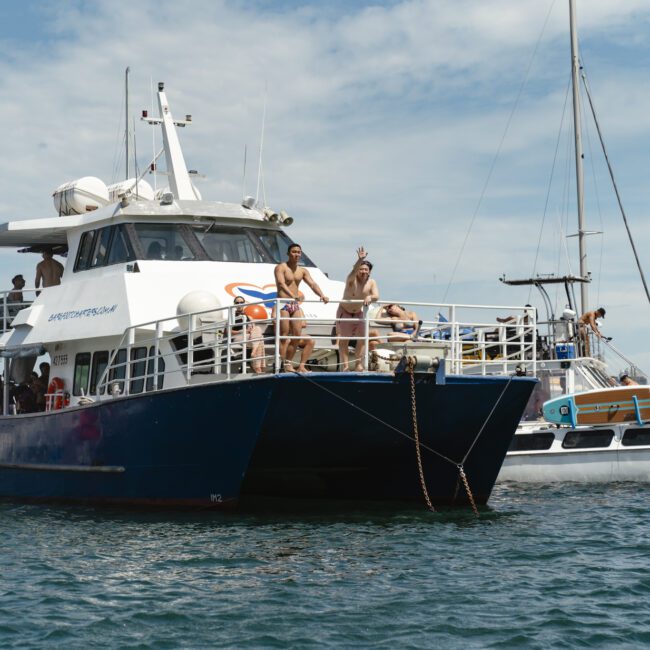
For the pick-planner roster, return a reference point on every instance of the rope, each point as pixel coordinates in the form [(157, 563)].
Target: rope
[(371, 415), (416, 437)]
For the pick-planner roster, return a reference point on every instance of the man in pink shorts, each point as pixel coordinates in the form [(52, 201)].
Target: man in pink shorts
[(360, 291)]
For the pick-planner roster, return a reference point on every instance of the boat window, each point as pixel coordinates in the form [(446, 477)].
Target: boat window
[(165, 241), (81, 373), (118, 369), (121, 249), (532, 442), (100, 249), (229, 244), (277, 244), (100, 361), (636, 438), (138, 369), (587, 438), (151, 369), (86, 246)]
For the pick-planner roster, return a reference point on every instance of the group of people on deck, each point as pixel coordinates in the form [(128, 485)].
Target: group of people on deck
[(360, 291)]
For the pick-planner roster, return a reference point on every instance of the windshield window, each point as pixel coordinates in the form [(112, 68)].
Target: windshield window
[(277, 244), (164, 241), (229, 245)]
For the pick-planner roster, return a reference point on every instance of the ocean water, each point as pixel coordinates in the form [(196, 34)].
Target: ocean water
[(543, 566)]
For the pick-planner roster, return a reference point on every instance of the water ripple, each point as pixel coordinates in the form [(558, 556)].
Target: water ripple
[(551, 566)]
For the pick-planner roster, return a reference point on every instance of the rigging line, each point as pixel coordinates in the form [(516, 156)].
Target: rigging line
[(478, 435), (498, 152), (374, 417), (618, 196), (550, 183), (119, 142)]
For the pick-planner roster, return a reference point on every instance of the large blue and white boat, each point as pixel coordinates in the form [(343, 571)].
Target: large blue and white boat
[(151, 398)]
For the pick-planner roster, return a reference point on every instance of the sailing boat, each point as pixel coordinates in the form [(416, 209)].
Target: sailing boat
[(589, 430)]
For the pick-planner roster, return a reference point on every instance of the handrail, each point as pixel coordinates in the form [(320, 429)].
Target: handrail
[(204, 341)]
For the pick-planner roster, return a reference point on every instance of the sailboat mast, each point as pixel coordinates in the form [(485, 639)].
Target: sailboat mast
[(577, 128), (126, 113)]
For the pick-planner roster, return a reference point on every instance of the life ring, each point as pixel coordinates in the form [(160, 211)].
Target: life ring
[(54, 399)]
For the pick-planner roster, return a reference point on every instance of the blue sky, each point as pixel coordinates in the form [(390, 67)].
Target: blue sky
[(384, 120)]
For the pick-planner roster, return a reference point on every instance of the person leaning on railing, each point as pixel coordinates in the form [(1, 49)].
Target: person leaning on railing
[(360, 290)]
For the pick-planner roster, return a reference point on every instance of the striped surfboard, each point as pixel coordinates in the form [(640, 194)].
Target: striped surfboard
[(603, 406)]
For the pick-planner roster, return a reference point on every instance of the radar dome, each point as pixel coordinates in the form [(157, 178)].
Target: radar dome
[(199, 301)]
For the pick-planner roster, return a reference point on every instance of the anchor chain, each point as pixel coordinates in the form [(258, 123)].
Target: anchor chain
[(461, 469), (416, 433), (470, 496)]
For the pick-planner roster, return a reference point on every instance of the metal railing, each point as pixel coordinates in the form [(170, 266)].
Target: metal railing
[(215, 345), (11, 304)]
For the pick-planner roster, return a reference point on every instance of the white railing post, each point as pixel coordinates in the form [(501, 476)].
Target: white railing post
[(229, 341), (277, 336), (366, 331), (130, 341), (156, 351), (190, 349)]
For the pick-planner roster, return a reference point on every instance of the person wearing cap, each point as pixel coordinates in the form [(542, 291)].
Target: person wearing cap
[(588, 321), (15, 296)]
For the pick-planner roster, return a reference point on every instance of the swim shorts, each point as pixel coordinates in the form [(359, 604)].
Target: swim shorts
[(349, 328), (291, 307)]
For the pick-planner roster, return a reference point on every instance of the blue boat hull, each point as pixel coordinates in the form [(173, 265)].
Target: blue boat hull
[(336, 435), (186, 447)]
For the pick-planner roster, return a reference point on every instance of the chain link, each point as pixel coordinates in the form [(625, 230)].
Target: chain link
[(410, 366), (470, 496), (461, 470)]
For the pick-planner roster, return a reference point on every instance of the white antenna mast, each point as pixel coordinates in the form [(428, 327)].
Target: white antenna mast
[(126, 115), (153, 143), (259, 167)]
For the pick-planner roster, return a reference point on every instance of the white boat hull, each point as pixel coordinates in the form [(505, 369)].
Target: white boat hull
[(613, 463)]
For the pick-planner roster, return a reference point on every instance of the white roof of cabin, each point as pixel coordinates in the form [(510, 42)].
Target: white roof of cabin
[(53, 230)]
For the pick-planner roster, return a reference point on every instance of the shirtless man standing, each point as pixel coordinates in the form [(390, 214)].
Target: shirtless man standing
[(49, 271), (288, 276), (588, 320), (359, 287)]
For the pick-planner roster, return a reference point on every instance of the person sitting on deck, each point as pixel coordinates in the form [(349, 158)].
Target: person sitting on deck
[(404, 323), (254, 336)]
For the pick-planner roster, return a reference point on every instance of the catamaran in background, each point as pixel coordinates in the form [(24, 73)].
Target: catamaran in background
[(578, 370)]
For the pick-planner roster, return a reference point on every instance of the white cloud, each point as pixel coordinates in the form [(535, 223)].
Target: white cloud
[(382, 123)]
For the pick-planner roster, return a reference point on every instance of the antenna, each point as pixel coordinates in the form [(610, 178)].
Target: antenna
[(259, 167), (126, 115), (135, 161), (155, 156)]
